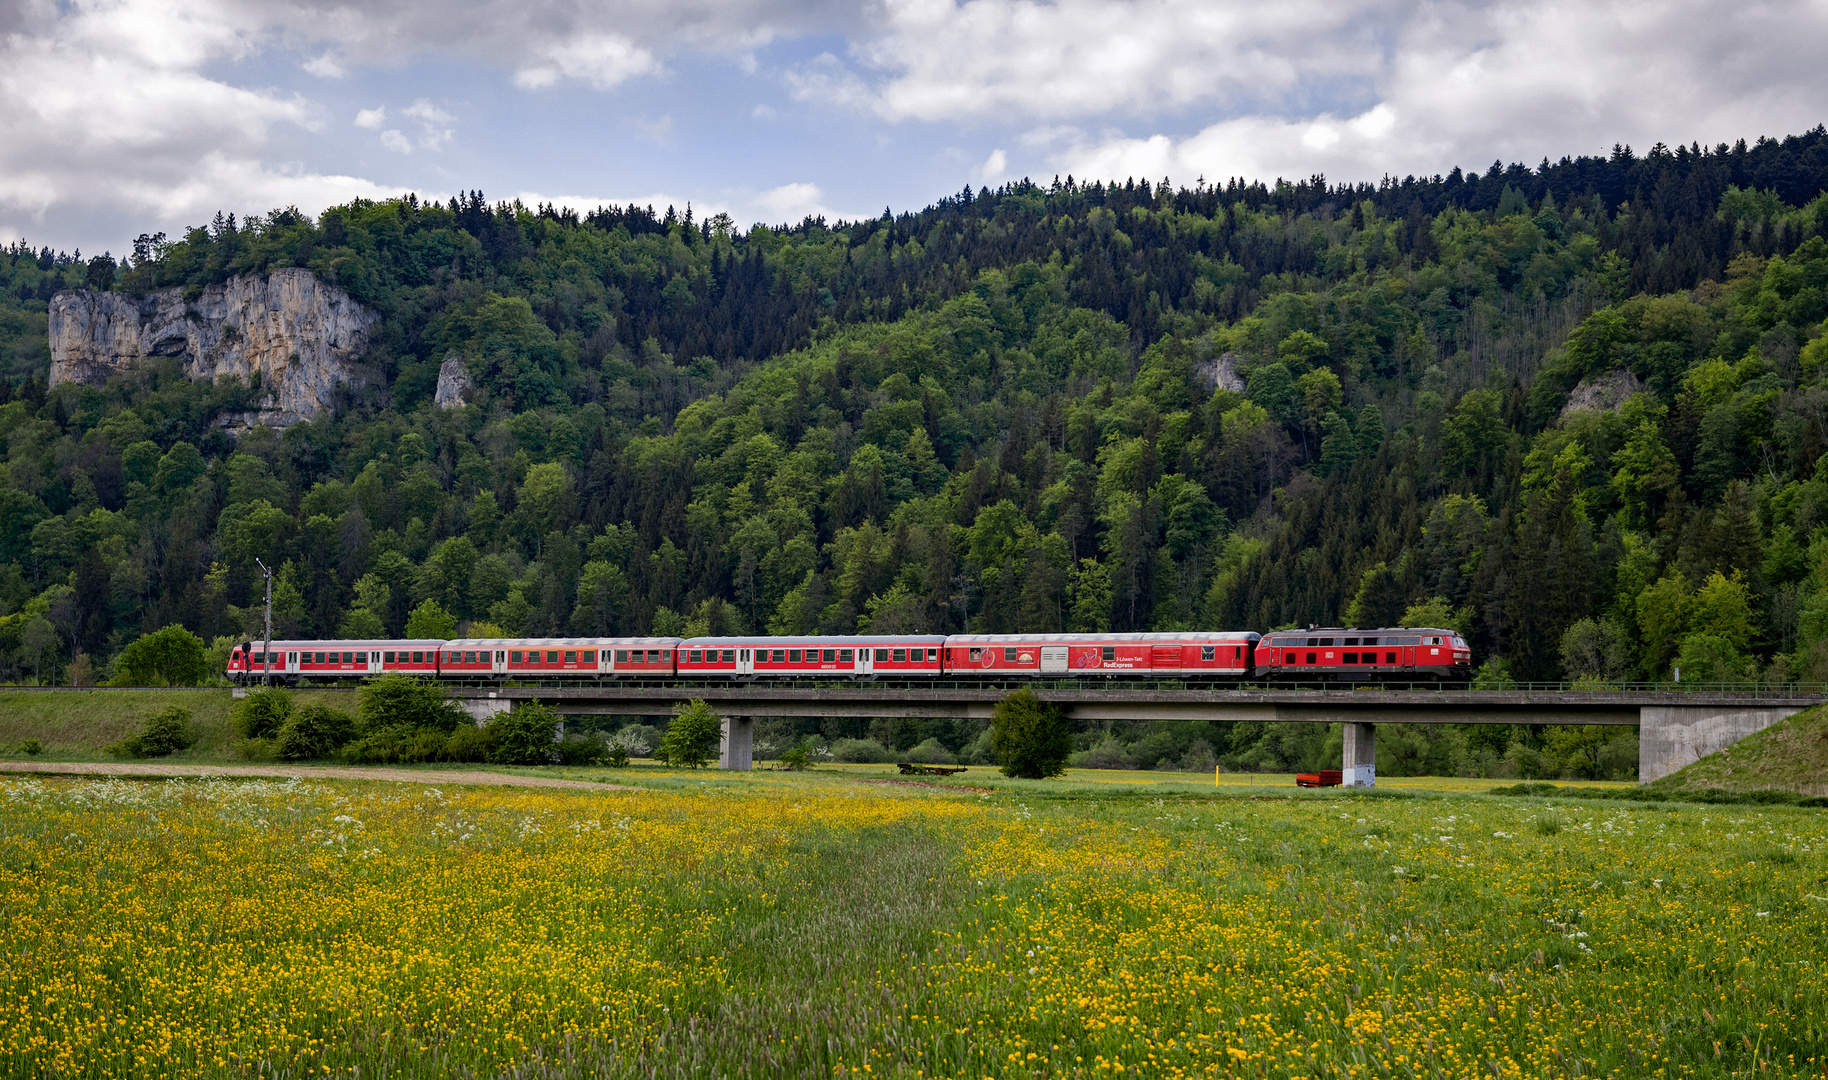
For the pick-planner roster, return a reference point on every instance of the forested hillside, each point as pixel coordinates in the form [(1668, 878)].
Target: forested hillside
[(1576, 411)]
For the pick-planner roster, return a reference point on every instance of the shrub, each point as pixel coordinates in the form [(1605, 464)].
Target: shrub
[(396, 701), (525, 735), (932, 752), (1107, 754), (314, 731), (1032, 739), (581, 750), (165, 732), (398, 746), (30, 747), (860, 751), (470, 743), (802, 754), (637, 740), (172, 656), (616, 757), (262, 713), (691, 740)]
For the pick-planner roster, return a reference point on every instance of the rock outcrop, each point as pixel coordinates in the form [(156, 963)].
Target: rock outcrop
[(453, 384), (1221, 372), (302, 336), (1603, 392)]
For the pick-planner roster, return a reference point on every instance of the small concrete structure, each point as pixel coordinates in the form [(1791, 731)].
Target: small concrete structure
[(1672, 737), (1360, 756), (736, 748), (483, 710)]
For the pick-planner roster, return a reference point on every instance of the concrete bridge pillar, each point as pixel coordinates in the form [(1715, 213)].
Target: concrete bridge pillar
[(1671, 737), (483, 710), (1360, 769), (736, 749)]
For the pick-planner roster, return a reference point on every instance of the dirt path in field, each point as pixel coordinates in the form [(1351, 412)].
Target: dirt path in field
[(287, 772)]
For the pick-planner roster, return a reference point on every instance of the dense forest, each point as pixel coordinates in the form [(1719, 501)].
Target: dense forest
[(1576, 411)]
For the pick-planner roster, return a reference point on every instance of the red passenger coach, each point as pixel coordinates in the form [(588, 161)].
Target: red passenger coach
[(1363, 655), (557, 658), (327, 660), (864, 656), (1192, 655)]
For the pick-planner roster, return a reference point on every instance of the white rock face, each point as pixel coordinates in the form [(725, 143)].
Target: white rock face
[(1221, 372), (1604, 392), (302, 336), (453, 383)]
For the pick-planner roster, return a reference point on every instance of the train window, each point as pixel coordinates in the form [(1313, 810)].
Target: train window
[(977, 655), (1350, 658), (552, 656), (1350, 641), (695, 656), (729, 656), (1326, 642), (1370, 641), (882, 656), (349, 658), (293, 657), (1290, 658), (1310, 658), (320, 658), (514, 657), (621, 656), (780, 656), (1207, 652), (1313, 641), (745, 655), (1110, 652), (469, 657), (571, 656), (793, 656), (387, 658), (1009, 655), (1389, 658), (845, 656), (590, 656), (666, 656), (932, 655), (829, 656), (417, 658), (901, 656)]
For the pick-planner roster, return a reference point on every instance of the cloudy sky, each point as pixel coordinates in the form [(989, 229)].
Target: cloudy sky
[(123, 116)]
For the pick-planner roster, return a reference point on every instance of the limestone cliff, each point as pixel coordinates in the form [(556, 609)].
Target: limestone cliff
[(301, 335)]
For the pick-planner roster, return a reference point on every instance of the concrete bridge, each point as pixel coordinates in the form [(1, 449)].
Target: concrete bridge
[(1676, 727)]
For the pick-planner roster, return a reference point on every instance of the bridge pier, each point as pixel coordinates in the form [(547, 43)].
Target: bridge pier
[(1360, 766), (483, 710), (736, 748)]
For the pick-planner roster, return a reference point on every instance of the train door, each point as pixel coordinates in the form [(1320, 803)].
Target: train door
[(1165, 658), (1053, 660), (866, 662), (745, 662)]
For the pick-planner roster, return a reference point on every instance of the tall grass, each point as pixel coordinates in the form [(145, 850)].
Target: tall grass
[(802, 927)]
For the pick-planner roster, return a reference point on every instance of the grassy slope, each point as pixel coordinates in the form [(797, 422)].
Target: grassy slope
[(1788, 756), (78, 726)]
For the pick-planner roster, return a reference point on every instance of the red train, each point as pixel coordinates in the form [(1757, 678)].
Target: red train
[(1200, 656)]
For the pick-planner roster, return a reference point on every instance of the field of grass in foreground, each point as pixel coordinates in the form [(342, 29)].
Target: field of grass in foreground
[(825, 928)]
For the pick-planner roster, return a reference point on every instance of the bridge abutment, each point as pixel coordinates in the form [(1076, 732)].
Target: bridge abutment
[(736, 749), (1672, 737), (1360, 766), (483, 710)]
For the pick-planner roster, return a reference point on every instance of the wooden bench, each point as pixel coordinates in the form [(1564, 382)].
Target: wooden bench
[(1323, 778), (908, 768)]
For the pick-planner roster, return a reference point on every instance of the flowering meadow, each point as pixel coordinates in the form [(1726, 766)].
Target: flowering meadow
[(819, 926)]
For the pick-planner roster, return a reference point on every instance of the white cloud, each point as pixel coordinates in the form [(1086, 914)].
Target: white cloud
[(792, 203), (105, 104), (393, 140), (994, 168), (437, 127), (990, 59), (371, 118), (603, 60), (325, 67)]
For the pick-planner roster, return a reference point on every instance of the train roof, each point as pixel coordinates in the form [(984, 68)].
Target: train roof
[(561, 643), (1378, 630), (1194, 635), (364, 643), (834, 640)]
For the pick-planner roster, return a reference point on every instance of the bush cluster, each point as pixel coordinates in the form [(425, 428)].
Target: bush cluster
[(1716, 796), (164, 732)]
